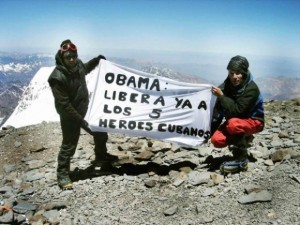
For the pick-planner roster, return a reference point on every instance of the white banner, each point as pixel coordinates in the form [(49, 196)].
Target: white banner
[(132, 102)]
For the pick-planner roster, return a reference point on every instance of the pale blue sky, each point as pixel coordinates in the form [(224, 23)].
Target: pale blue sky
[(256, 27)]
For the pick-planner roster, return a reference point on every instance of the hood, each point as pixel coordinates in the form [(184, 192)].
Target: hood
[(61, 65)]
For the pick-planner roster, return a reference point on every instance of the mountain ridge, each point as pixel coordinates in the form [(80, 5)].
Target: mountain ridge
[(24, 67)]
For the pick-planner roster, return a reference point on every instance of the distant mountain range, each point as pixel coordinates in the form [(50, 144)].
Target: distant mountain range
[(279, 88), (17, 70)]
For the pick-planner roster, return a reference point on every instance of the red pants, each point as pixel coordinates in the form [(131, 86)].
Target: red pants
[(232, 127)]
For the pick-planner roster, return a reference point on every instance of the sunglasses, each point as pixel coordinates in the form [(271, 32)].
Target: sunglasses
[(67, 47)]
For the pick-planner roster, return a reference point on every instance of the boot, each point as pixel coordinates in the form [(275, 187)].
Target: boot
[(65, 183), (234, 166), (240, 158), (63, 171), (102, 158)]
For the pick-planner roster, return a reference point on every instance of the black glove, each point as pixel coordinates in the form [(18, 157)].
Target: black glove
[(85, 125), (101, 57)]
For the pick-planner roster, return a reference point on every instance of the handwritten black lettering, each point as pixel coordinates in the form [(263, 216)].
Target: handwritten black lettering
[(117, 110), (155, 113), (133, 97), (183, 103), (203, 105), (188, 131), (124, 124), (132, 81)]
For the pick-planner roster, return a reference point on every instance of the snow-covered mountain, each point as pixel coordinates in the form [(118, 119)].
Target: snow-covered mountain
[(37, 102), (22, 67), (16, 71), (9, 96)]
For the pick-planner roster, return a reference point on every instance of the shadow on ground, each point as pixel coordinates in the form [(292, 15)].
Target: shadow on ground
[(211, 164), (129, 169)]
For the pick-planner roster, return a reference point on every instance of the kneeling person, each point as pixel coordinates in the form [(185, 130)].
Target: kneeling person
[(240, 102)]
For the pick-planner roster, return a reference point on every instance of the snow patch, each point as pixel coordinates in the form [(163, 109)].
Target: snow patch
[(37, 103)]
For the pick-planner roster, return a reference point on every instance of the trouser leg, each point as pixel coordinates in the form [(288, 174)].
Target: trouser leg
[(220, 137), (239, 147), (248, 126), (100, 139), (234, 130), (71, 133)]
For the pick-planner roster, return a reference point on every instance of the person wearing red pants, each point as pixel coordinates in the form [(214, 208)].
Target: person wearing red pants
[(239, 106)]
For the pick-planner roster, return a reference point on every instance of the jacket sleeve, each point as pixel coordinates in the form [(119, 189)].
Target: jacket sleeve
[(62, 102), (242, 105), (90, 65), (216, 119)]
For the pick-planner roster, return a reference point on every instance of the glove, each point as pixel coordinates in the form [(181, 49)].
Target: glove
[(101, 57), (85, 125)]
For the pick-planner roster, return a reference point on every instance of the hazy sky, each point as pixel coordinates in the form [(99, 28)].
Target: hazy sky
[(260, 27)]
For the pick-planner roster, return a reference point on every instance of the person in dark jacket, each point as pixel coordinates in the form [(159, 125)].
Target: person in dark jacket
[(68, 85), (239, 106)]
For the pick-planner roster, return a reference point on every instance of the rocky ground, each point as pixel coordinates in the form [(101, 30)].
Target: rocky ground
[(157, 182)]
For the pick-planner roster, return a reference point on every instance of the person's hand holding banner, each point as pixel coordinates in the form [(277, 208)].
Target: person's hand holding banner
[(85, 125)]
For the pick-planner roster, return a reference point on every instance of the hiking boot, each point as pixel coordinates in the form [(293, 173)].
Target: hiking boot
[(102, 168), (111, 159), (239, 162), (97, 164), (234, 166), (65, 183)]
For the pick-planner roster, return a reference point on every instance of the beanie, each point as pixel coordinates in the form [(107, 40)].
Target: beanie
[(239, 64)]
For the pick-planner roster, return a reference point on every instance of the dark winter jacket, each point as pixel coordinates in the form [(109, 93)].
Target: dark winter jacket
[(243, 101), (69, 88)]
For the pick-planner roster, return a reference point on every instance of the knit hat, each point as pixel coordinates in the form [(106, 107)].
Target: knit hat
[(239, 64)]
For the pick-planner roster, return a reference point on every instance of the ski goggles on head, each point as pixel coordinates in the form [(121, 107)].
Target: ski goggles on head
[(68, 47)]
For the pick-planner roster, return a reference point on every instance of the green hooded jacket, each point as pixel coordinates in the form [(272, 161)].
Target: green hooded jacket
[(244, 101)]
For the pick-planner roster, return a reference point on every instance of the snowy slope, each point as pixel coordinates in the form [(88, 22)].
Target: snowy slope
[(37, 102)]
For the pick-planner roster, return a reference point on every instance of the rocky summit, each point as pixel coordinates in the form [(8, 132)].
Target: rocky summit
[(155, 182)]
